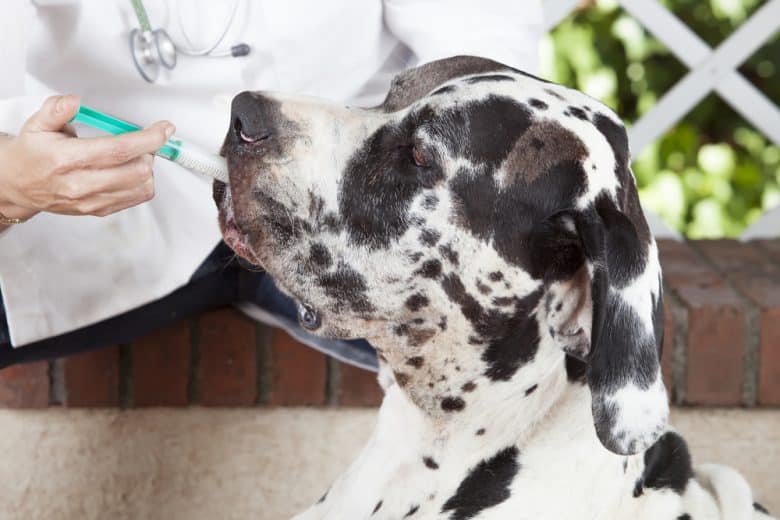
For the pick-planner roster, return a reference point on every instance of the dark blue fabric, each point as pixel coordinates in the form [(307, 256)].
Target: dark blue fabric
[(219, 281)]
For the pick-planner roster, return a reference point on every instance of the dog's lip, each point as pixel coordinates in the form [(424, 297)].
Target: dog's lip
[(236, 239)]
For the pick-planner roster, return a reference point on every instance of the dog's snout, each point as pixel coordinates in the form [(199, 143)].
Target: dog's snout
[(253, 117)]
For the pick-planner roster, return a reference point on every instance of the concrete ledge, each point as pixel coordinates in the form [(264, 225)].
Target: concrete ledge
[(266, 463)]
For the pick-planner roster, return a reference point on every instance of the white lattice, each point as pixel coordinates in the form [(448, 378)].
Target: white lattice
[(710, 70)]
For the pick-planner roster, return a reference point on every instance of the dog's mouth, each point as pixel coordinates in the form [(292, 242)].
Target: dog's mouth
[(233, 235)]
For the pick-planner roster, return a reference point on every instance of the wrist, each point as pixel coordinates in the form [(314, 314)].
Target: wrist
[(9, 210)]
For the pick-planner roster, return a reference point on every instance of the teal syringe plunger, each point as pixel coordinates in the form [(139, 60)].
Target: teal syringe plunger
[(185, 154)]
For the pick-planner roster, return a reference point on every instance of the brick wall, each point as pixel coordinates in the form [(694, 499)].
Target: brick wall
[(722, 347)]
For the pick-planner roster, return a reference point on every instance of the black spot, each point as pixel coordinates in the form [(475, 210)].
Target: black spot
[(484, 289), (450, 254), (430, 202), (416, 302), (346, 287), (486, 485), (531, 389), (554, 94), (489, 77), (578, 113), (429, 237), (469, 387), (558, 307), (377, 508), (401, 378), (443, 90), (503, 301), (412, 511), (443, 323), (761, 509), (430, 269), (320, 256), (537, 143), (538, 103), (415, 257), (496, 276), (430, 463), (323, 497), (416, 361), (452, 404), (481, 431), (685, 516), (667, 465)]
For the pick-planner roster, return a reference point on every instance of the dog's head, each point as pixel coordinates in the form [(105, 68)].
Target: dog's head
[(478, 220)]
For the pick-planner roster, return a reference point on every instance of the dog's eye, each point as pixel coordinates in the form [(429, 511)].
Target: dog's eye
[(418, 158)]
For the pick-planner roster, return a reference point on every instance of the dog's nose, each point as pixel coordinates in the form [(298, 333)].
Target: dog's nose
[(253, 116)]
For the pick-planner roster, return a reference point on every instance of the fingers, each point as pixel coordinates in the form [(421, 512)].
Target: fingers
[(104, 191), (54, 114), (103, 152)]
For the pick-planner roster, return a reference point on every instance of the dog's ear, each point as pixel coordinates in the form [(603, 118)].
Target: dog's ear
[(603, 307), (411, 85)]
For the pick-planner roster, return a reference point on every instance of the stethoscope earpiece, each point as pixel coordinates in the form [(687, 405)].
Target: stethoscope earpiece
[(150, 48)]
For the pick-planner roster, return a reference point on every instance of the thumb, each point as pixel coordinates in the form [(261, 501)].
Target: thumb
[(53, 115)]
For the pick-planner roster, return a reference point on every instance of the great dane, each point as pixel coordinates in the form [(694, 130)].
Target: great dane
[(481, 228)]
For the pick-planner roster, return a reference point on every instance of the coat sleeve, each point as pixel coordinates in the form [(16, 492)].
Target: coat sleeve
[(507, 31)]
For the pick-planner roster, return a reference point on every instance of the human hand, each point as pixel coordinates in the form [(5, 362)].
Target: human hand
[(47, 168)]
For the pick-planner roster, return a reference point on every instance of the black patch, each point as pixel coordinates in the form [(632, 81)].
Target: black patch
[(503, 301), (531, 389), (481, 431), (686, 516), (488, 78), (452, 404), (538, 103), (469, 387), (486, 485), (429, 237), (450, 254), (443, 90), (430, 202), (380, 181), (554, 94), (761, 509), (323, 497), (430, 269), (578, 113), (626, 253), (416, 302), (537, 143), (347, 287), (667, 465), (412, 511), (496, 276), (576, 370), (416, 361), (377, 508), (430, 463), (415, 257), (513, 339), (320, 256)]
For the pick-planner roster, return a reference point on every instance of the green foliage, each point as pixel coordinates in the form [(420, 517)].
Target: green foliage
[(712, 173)]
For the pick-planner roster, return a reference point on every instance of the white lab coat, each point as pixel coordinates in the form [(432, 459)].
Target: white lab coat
[(60, 273)]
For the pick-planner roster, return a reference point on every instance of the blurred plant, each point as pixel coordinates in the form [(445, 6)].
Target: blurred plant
[(711, 174)]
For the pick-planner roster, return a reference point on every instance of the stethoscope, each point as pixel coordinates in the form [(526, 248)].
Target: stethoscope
[(152, 48)]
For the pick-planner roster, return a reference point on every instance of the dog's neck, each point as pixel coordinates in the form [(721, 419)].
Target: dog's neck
[(416, 452)]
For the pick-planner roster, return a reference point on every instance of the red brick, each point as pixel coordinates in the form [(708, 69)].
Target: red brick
[(682, 266), (25, 386), (667, 357), (227, 371), (92, 379), (716, 339), (358, 387), (299, 373), (769, 367), (772, 247), (160, 367)]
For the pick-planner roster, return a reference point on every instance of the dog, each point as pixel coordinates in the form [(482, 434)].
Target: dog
[(482, 229)]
